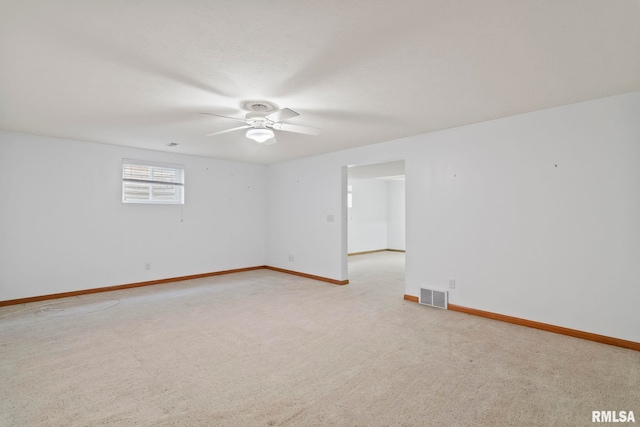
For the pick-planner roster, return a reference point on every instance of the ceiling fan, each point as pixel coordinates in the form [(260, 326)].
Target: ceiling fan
[(262, 119)]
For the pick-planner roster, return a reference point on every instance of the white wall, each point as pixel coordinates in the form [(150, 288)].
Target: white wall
[(377, 218), (368, 216), (63, 226), (535, 216), (395, 215), (300, 200)]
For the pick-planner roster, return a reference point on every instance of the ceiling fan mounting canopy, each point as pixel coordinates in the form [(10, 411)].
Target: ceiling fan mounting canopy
[(264, 106)]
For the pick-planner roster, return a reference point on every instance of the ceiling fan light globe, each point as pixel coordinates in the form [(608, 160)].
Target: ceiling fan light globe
[(259, 135)]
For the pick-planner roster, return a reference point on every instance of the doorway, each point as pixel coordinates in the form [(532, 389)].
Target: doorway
[(375, 210)]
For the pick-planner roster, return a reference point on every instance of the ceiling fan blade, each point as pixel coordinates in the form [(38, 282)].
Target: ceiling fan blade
[(224, 117), (270, 141), (297, 129), (228, 130), (282, 115)]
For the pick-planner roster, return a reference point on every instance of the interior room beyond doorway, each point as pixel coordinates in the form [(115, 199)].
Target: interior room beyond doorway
[(376, 207)]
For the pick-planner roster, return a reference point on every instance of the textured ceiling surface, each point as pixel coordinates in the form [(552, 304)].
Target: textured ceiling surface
[(137, 73)]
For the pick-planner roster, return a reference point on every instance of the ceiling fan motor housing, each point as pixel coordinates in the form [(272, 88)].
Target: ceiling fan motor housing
[(257, 119)]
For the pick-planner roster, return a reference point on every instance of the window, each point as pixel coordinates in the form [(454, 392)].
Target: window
[(150, 182)]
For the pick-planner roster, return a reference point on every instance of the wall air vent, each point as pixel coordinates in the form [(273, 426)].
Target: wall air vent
[(433, 297)]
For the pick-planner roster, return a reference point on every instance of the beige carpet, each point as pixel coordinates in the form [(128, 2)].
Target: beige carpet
[(263, 348)]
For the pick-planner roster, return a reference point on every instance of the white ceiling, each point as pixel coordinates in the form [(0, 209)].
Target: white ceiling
[(137, 73)]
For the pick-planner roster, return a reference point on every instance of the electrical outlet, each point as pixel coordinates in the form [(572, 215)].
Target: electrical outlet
[(291, 258), (147, 266), (452, 283)]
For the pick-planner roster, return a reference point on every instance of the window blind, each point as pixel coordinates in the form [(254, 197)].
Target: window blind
[(150, 182)]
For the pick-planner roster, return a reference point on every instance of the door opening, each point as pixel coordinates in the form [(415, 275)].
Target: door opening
[(375, 210)]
